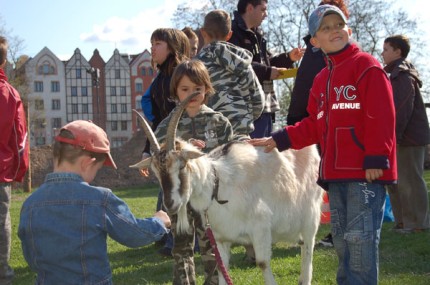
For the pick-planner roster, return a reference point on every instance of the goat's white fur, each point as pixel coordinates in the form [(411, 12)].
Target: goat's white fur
[(271, 197)]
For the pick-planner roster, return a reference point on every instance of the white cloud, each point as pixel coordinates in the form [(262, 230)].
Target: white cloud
[(131, 35)]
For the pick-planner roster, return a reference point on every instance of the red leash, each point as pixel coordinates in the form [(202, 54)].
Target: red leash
[(221, 266)]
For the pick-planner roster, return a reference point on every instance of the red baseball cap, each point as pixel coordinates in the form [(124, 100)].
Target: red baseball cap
[(90, 137)]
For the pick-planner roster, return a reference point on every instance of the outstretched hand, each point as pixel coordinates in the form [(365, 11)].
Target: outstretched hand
[(164, 218), (268, 142), (296, 53)]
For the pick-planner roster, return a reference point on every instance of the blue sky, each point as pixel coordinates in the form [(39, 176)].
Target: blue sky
[(63, 26)]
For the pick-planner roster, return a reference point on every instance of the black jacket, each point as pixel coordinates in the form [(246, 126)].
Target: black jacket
[(253, 40), (312, 63), (161, 101), (412, 126)]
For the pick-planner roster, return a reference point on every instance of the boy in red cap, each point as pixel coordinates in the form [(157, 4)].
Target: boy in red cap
[(65, 222)]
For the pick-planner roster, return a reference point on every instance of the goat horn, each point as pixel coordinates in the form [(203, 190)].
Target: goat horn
[(173, 124), (155, 147)]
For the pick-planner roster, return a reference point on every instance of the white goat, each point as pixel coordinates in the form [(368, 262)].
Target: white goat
[(270, 197)]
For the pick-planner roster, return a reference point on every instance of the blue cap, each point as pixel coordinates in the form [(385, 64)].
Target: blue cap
[(319, 13)]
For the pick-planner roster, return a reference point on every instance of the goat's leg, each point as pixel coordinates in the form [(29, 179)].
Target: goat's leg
[(224, 251), (262, 243), (307, 250)]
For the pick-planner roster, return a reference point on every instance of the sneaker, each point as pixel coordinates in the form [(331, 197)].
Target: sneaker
[(327, 241)]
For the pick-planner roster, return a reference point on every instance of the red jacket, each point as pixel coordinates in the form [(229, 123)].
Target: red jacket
[(13, 138), (352, 117)]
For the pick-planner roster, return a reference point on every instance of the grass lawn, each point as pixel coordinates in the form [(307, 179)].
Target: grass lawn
[(404, 259)]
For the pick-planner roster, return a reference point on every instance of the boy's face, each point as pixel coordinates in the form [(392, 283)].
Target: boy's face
[(389, 54), (185, 88), (333, 34)]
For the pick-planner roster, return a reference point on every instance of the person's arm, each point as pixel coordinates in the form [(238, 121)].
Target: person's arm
[(147, 105), (125, 228), (257, 97), (404, 97)]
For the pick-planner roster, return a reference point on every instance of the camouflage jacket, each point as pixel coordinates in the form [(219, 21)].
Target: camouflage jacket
[(239, 95), (209, 126)]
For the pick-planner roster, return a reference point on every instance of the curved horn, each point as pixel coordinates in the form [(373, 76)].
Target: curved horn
[(155, 147), (173, 124)]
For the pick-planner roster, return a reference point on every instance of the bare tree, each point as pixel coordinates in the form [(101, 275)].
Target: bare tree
[(287, 23)]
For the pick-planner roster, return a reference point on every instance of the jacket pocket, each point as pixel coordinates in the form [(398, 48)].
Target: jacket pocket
[(349, 152)]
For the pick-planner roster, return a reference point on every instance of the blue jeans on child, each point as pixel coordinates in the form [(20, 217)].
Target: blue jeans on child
[(357, 211)]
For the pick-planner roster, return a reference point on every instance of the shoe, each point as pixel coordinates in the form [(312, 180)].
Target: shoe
[(327, 241), (409, 231), (165, 251), (398, 226)]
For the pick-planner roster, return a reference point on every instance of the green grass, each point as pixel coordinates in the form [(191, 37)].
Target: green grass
[(404, 259)]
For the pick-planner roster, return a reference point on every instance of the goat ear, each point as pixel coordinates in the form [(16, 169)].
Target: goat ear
[(145, 163), (191, 154)]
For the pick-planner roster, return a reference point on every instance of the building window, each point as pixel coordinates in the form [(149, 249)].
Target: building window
[(75, 109), (84, 91), (38, 86), (143, 71), (122, 91), (113, 108), (46, 69), (123, 108), (74, 91), (123, 125), (55, 86), (112, 91), (117, 73), (84, 108), (114, 125), (56, 123), (39, 123), (56, 104), (139, 87), (78, 73), (38, 104), (151, 71)]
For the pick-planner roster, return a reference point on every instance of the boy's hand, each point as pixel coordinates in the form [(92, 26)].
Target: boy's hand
[(296, 53), (163, 217), (373, 174), (144, 172), (269, 143)]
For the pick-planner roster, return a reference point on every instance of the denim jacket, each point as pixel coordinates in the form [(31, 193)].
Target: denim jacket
[(64, 225)]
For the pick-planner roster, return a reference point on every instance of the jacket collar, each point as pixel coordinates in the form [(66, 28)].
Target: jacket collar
[(3, 75), (336, 58)]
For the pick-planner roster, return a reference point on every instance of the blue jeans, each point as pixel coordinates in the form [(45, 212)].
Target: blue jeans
[(357, 211)]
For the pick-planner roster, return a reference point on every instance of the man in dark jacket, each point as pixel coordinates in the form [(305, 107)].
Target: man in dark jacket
[(13, 157), (246, 34), (409, 199)]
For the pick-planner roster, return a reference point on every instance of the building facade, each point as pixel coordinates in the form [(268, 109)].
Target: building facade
[(78, 89)]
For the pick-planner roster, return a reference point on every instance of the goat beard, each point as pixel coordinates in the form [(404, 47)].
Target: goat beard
[(182, 224)]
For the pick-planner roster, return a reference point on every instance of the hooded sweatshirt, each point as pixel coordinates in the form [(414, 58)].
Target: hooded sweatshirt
[(412, 125), (238, 93)]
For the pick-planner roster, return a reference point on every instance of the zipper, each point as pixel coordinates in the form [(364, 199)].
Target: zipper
[(326, 106)]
